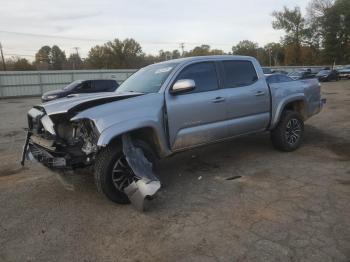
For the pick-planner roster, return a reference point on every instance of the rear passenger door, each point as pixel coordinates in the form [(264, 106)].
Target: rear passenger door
[(248, 98)]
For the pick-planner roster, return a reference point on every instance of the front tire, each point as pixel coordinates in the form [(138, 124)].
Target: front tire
[(289, 132), (112, 172)]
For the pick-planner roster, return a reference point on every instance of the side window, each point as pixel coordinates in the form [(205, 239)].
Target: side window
[(284, 78), (239, 73), (203, 74), (85, 87), (99, 85)]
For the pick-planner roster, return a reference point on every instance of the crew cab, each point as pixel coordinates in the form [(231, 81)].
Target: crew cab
[(163, 109)]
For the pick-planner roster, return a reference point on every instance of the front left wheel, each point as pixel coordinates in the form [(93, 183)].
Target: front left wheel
[(112, 172)]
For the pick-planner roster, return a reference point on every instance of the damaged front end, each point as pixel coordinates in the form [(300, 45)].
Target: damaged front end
[(61, 144)]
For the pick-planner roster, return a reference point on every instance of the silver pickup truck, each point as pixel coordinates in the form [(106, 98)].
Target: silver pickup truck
[(162, 109)]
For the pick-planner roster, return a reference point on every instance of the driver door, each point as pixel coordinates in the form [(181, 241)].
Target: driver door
[(198, 116)]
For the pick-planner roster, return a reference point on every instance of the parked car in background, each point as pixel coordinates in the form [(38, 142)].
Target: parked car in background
[(82, 86), (344, 72), (327, 75), (279, 71), (267, 71), (278, 78), (301, 74)]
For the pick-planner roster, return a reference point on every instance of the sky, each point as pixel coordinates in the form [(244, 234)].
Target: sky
[(26, 25)]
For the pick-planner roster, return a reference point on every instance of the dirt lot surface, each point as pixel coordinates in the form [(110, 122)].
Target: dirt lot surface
[(285, 207)]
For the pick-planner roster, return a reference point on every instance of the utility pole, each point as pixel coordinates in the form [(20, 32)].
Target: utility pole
[(2, 57), (75, 59), (76, 50), (182, 46)]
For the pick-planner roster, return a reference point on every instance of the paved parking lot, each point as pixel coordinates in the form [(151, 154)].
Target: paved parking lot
[(285, 207)]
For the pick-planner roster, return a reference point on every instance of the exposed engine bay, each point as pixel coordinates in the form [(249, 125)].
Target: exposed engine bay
[(63, 144), (60, 144)]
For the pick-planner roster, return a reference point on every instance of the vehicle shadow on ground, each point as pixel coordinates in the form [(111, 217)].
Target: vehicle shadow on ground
[(184, 171), (316, 137)]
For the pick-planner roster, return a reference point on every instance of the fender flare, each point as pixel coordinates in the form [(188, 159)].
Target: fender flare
[(276, 115), (118, 129)]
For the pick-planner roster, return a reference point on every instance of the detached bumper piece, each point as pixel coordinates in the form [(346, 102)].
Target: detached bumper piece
[(148, 184), (35, 153)]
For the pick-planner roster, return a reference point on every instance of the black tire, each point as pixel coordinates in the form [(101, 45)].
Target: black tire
[(285, 137), (104, 163)]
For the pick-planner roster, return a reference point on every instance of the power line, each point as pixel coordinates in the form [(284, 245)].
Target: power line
[(51, 36), (9, 54), (105, 40)]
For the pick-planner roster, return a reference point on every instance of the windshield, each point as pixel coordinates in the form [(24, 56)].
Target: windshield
[(72, 85), (322, 72), (295, 74), (148, 79)]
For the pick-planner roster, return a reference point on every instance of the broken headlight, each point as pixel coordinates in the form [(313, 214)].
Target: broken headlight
[(80, 133), (86, 131)]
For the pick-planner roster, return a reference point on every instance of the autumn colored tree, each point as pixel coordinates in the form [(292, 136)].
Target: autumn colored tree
[(18, 64)]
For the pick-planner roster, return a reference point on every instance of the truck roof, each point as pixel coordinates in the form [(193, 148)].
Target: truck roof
[(211, 57)]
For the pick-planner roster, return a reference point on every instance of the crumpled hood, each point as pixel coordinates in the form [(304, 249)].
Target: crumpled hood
[(79, 102)]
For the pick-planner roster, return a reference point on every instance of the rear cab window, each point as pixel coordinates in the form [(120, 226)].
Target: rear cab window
[(238, 73)]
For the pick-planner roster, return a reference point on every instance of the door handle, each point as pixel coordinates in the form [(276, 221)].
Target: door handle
[(218, 99), (259, 93)]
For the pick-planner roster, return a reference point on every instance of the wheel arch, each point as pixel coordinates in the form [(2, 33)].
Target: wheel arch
[(296, 103), (146, 133)]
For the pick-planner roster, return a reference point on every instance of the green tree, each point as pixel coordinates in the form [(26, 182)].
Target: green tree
[(199, 51), (43, 58), (50, 58), (58, 58), (96, 57), (123, 54), (74, 61), (245, 47), (336, 32), (294, 25), (116, 54), (203, 50)]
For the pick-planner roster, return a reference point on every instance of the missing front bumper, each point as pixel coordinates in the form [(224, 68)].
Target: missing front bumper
[(36, 153)]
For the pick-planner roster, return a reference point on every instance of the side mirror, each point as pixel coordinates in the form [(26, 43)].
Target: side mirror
[(182, 86)]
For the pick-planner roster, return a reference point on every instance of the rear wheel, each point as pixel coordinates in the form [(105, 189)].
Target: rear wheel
[(112, 172), (288, 134)]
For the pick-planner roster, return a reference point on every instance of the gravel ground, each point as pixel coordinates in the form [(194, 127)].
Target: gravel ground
[(285, 207)]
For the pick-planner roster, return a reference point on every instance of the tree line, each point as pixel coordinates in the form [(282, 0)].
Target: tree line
[(321, 37)]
